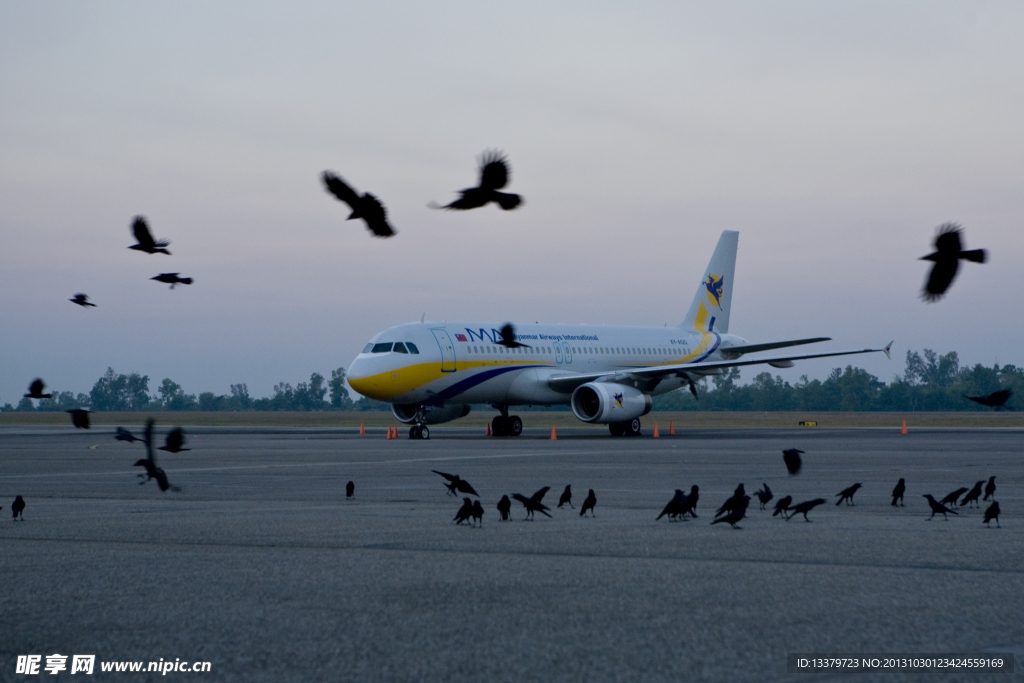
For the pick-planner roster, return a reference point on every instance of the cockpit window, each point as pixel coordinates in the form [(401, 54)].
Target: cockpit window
[(382, 348), (400, 348), (412, 347), (369, 347)]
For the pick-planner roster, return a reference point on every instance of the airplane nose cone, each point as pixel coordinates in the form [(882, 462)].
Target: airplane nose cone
[(362, 373)]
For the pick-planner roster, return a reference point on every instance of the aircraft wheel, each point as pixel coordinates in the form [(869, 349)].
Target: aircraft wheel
[(514, 426), (498, 426), (633, 428), (424, 432), (414, 432), (617, 428)]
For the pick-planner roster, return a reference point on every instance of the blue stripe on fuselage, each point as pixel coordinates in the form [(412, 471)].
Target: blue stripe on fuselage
[(479, 378)]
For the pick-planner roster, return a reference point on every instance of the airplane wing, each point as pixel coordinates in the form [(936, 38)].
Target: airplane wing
[(731, 352), (567, 383)]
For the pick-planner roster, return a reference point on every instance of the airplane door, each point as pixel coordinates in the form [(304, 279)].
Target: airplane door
[(447, 350), (568, 352)]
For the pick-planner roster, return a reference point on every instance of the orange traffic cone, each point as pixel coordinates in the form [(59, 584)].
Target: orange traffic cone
[(671, 429), (655, 435), (554, 436), (362, 429), (904, 430), (389, 433), (489, 429)]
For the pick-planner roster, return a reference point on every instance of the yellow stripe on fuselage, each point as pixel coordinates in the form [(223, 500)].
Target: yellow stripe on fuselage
[(387, 385)]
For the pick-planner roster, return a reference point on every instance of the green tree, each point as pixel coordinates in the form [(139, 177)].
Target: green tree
[(120, 392), (173, 397), (340, 399)]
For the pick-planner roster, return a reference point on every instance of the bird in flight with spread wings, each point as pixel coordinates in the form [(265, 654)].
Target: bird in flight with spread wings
[(494, 175), (947, 255), (144, 238), (364, 206), (996, 399), (82, 300)]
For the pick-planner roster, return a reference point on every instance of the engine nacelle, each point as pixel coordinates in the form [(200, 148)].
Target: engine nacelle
[(406, 413), (603, 403)]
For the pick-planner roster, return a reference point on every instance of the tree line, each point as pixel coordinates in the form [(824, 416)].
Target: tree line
[(929, 382)]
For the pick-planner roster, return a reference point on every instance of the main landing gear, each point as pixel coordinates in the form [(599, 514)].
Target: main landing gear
[(631, 428), (505, 424), (419, 432)]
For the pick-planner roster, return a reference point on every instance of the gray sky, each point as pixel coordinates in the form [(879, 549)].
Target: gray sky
[(833, 136)]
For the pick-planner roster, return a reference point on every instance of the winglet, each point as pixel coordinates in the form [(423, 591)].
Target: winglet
[(887, 348)]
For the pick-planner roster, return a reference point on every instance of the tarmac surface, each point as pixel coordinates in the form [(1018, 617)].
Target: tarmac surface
[(260, 566)]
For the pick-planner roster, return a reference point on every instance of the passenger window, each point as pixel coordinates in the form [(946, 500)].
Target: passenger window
[(412, 347), (400, 348), (384, 347)]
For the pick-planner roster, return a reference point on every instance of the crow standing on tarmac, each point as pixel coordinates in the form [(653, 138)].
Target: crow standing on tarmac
[(504, 508), (566, 497), (992, 513), (938, 508), (736, 514), (465, 512), (973, 495), (990, 489), (898, 491), (673, 506), (847, 495), (350, 489), (764, 496), (732, 502), (532, 505), (478, 512), (782, 505), (588, 504), (18, 508), (804, 507)]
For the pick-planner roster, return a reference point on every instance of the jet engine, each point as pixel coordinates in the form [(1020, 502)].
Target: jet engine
[(406, 413), (604, 402)]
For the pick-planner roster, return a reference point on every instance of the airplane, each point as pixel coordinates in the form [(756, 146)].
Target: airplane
[(432, 372)]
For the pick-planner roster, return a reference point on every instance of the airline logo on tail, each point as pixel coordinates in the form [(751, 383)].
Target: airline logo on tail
[(714, 287)]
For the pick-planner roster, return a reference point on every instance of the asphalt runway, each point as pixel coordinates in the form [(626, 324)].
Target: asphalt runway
[(262, 568)]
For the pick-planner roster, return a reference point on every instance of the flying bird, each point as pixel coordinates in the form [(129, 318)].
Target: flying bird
[(82, 300), (465, 512), (364, 206), (504, 508), (350, 490), (947, 255), (79, 418), (149, 462), (508, 338), (973, 495), (588, 504), (35, 390), (764, 496), (990, 489), (736, 514), (123, 434), (937, 507), (174, 442), (804, 507), (952, 497), (997, 399), (18, 508), (566, 497), (478, 512), (847, 495), (532, 505), (145, 239), (458, 484), (172, 279), (782, 505), (992, 513), (493, 176), (673, 506), (898, 491), (792, 459)]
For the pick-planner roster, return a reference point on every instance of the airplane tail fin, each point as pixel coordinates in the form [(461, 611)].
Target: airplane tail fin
[(709, 311)]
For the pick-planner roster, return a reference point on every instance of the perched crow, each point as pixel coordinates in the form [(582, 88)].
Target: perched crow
[(782, 505), (508, 338), (951, 498), (172, 279), (145, 239), (123, 434), (350, 489), (973, 495), (82, 300), (366, 206), (79, 418), (588, 504), (732, 502), (531, 505), (690, 504), (938, 507), (493, 176), (735, 515), (175, 441), (792, 459), (898, 491), (566, 497), (992, 513), (847, 495), (504, 508), (673, 506), (990, 489), (478, 512), (18, 508), (35, 390), (804, 507), (947, 255), (996, 399), (458, 484), (465, 512), (764, 496)]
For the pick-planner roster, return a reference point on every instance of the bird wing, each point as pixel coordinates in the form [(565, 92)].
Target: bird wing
[(539, 495), (336, 186), (375, 215), (947, 240), (493, 171), (463, 486), (37, 386), (142, 235), (449, 477), (175, 439), (940, 278), (522, 499)]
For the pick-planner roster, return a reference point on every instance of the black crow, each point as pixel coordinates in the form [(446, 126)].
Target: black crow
[(531, 505), (782, 505), (566, 497), (175, 440), (690, 504), (990, 489), (992, 513), (951, 498), (996, 399), (764, 496), (366, 206), (493, 176), (465, 512), (350, 489), (82, 300), (18, 508), (947, 255), (588, 504), (731, 502), (673, 506), (172, 279), (145, 239), (847, 495), (539, 495), (457, 485), (35, 390), (804, 507), (123, 434), (504, 508), (792, 459), (478, 512), (938, 507), (79, 418), (735, 515), (898, 491), (973, 495), (149, 462), (508, 338)]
